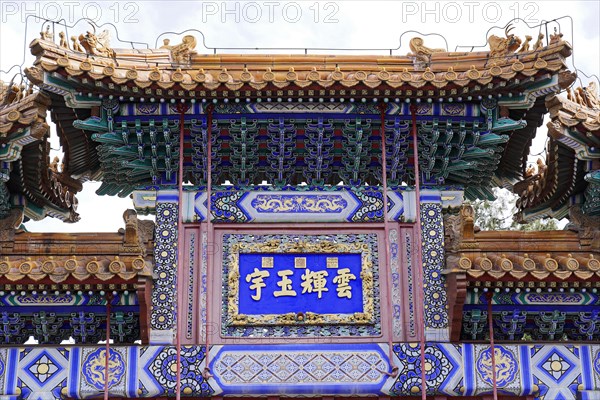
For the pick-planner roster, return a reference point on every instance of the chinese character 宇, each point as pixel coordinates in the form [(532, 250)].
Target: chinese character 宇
[(342, 280), (285, 284), (314, 282), (257, 278)]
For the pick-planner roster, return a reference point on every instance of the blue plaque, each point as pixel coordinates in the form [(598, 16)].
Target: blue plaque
[(276, 283)]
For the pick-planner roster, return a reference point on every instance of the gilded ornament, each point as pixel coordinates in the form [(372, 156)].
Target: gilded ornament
[(528, 263), (593, 264), (473, 73), (25, 267), (428, 75), (268, 76), (383, 75), (85, 66), (450, 75), (4, 266), (13, 116), (506, 264), (540, 63), (177, 76), (495, 70), (224, 76), (116, 266), (109, 70), (464, 263), (550, 264), (71, 264), (92, 267), (518, 66), (63, 61), (291, 75), (406, 76), (314, 75), (360, 75), (485, 263), (246, 76), (138, 263), (49, 266), (131, 74), (200, 77), (337, 75)]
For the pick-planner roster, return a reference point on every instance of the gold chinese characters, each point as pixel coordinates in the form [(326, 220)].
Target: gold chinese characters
[(311, 282)]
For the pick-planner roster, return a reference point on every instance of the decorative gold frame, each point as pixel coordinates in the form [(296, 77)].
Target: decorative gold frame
[(234, 318)]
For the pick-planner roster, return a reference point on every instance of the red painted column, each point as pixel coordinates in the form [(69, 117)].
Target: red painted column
[(180, 243), (420, 300), (386, 229), (489, 296), (209, 231), (108, 298)]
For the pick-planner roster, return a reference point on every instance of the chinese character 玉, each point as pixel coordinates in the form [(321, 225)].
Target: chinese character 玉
[(285, 284)]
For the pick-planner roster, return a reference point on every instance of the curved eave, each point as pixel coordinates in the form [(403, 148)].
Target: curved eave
[(47, 191), (515, 256), (216, 76)]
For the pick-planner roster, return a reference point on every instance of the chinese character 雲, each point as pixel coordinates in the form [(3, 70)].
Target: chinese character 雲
[(342, 280)]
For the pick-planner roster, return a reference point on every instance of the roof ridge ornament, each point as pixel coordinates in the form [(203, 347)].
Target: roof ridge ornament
[(500, 47), (183, 51)]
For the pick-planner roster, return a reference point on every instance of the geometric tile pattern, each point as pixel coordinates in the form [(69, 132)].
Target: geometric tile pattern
[(162, 316), (443, 369), (546, 372), (434, 282), (556, 371), (334, 369), (163, 367), (42, 370)]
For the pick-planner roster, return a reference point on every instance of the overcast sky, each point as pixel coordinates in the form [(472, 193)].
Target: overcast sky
[(301, 24)]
